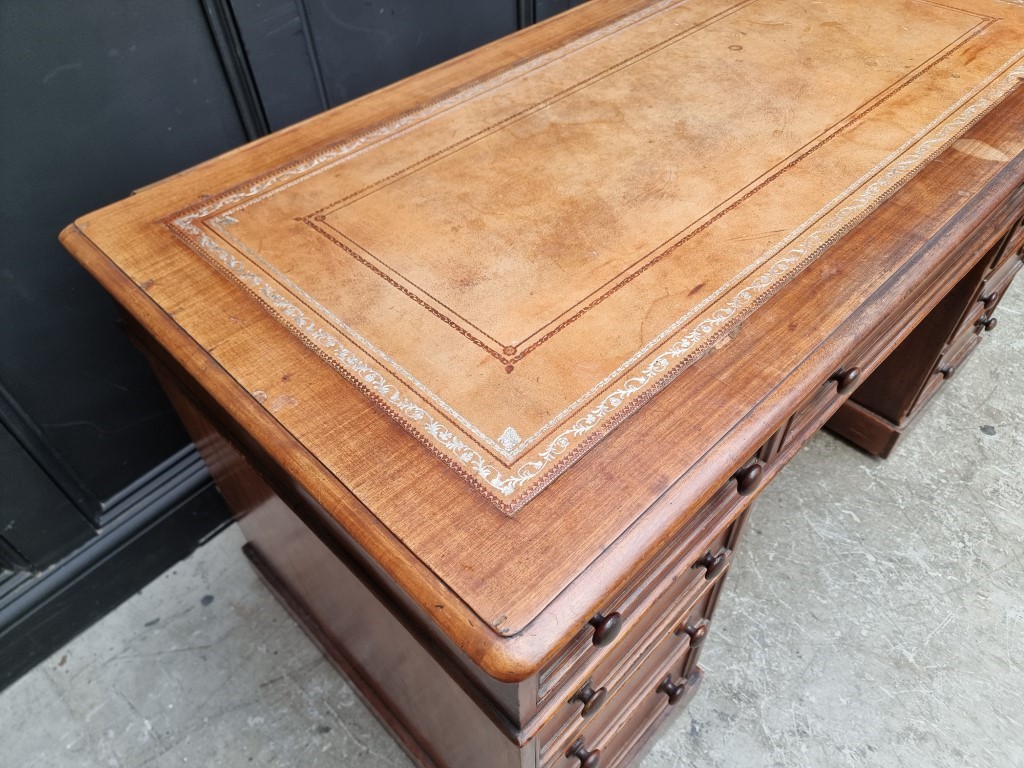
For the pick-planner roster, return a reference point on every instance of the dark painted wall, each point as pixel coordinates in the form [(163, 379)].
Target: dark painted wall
[(99, 487), (364, 45), (306, 56), (99, 98), (546, 8)]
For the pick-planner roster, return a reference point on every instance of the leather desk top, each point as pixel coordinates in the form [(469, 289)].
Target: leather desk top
[(509, 254), (511, 270)]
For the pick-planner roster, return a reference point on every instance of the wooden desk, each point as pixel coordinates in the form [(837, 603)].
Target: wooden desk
[(491, 363)]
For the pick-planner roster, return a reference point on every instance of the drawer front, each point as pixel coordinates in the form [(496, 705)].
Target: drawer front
[(600, 702), (952, 355), (652, 689), (623, 747), (701, 556), (637, 607), (979, 319), (1013, 247), (934, 383), (956, 353), (973, 318), (995, 284), (814, 411), (1001, 260), (640, 608)]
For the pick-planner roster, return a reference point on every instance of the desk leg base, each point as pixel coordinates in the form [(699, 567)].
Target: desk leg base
[(336, 655), (865, 429), (636, 747)]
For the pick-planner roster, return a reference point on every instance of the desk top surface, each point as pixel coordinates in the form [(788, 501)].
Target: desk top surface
[(500, 260)]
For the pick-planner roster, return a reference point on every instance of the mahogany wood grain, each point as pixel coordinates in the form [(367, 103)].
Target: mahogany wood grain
[(387, 661), (632, 743), (250, 482), (893, 388), (310, 579), (886, 404), (865, 429)]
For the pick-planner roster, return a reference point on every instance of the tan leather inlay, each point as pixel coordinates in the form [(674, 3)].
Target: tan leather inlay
[(512, 270)]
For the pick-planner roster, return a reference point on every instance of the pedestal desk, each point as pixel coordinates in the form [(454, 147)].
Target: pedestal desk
[(491, 363)]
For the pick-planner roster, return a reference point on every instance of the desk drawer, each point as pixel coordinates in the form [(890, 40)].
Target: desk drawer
[(979, 318), (641, 609), (995, 285), (957, 351), (946, 368), (1013, 246), (637, 607), (657, 683), (623, 747), (619, 748), (1001, 260), (813, 412), (954, 356), (973, 319), (680, 632)]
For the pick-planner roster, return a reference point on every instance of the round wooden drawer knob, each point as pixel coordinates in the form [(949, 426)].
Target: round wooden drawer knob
[(987, 323), (606, 628), (588, 759), (674, 691), (713, 564), (592, 700), (846, 379), (748, 478), (698, 633), (947, 371), (989, 299)]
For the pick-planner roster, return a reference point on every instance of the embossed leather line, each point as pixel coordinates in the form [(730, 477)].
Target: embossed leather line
[(317, 222)]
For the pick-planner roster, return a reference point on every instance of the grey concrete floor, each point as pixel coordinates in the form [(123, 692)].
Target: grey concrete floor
[(874, 617)]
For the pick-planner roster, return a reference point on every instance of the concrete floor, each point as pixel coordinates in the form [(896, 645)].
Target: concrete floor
[(874, 617)]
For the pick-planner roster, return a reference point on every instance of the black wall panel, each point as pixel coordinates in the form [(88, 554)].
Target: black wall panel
[(547, 8), (37, 521), (306, 55), (100, 488), (279, 53), (365, 45), (98, 98)]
